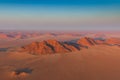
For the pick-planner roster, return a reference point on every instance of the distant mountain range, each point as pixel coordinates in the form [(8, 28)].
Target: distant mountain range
[(28, 34), (52, 46)]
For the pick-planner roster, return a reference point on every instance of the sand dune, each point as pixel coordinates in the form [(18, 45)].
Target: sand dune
[(96, 63)]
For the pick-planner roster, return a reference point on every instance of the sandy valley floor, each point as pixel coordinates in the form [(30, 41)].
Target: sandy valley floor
[(95, 63)]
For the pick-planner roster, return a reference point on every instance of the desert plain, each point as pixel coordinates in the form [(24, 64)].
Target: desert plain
[(59, 56)]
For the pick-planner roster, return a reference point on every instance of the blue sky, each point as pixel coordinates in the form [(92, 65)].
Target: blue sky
[(61, 2), (60, 14)]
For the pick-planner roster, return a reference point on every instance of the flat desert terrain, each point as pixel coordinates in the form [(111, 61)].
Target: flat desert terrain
[(95, 63)]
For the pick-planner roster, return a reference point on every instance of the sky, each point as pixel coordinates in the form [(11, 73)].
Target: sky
[(60, 15)]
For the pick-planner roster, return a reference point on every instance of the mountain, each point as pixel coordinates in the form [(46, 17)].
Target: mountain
[(52, 46), (113, 41), (48, 47), (38, 48), (3, 36), (85, 41)]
